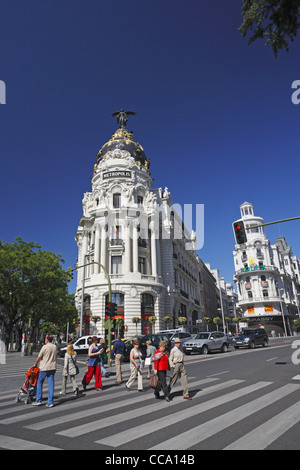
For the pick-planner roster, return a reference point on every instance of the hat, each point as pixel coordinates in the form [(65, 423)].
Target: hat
[(177, 340)]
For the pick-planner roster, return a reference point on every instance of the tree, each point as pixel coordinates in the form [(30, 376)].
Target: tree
[(216, 321), (33, 287), (277, 21), (297, 324), (167, 319), (182, 320), (136, 320), (207, 320)]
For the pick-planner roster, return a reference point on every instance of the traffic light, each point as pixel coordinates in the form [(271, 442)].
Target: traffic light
[(113, 310), (107, 310), (240, 232), (69, 274)]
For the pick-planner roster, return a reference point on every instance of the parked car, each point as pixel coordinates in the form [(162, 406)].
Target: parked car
[(80, 345), (251, 337), (206, 342)]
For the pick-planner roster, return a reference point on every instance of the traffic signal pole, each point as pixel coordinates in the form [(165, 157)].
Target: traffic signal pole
[(271, 223), (109, 321)]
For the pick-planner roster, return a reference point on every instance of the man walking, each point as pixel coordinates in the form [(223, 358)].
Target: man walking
[(47, 358), (176, 362), (118, 353)]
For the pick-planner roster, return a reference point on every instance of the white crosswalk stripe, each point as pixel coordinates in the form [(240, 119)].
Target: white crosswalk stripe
[(213, 409)]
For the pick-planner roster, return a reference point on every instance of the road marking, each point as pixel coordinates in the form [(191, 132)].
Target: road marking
[(262, 436), (272, 359), (189, 439), (297, 377), (152, 426), (131, 415), (12, 443), (219, 373)]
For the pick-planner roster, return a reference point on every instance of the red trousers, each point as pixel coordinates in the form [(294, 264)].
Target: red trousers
[(93, 370)]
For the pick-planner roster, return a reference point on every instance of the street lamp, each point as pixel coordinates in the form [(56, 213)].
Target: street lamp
[(282, 313)]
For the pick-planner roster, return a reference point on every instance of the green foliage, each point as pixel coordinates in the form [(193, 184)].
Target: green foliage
[(277, 21), (32, 286)]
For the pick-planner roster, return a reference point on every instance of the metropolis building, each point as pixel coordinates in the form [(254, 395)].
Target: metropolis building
[(267, 277), (131, 229)]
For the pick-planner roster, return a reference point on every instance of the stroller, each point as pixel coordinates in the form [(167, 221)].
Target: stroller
[(28, 390)]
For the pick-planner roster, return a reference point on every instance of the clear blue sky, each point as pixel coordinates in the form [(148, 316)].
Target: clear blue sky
[(214, 115)]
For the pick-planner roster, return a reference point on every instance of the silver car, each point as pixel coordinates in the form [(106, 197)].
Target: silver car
[(205, 342)]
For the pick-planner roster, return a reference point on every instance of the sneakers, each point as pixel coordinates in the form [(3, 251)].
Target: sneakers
[(36, 403), (49, 406)]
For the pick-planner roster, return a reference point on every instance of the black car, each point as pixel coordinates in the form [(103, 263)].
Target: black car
[(251, 337)]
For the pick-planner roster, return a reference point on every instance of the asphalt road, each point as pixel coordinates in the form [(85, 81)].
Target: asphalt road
[(241, 398)]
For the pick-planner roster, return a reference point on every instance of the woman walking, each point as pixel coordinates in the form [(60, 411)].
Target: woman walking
[(151, 350), (94, 367), (161, 366), (135, 367), (69, 370)]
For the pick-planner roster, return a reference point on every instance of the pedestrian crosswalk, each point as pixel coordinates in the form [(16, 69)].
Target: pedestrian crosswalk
[(115, 419)]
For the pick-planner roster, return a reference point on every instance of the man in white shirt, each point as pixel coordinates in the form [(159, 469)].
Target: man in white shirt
[(176, 362), (47, 358)]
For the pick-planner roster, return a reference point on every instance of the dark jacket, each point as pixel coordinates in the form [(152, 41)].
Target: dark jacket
[(119, 348)]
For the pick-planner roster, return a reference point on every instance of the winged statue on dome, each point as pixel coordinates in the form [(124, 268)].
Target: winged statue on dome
[(122, 117)]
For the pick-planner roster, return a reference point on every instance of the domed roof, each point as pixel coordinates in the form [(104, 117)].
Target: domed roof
[(123, 140)]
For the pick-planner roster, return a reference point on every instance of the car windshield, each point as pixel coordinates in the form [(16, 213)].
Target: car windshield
[(247, 332), (202, 336)]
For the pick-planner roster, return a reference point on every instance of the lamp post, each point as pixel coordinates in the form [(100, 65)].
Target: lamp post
[(82, 297)]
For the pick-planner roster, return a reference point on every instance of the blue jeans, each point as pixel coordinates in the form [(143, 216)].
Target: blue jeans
[(39, 389)]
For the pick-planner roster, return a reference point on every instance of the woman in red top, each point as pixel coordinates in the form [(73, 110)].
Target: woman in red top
[(161, 366)]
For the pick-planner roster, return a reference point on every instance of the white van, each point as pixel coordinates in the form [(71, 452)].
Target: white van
[(80, 345)]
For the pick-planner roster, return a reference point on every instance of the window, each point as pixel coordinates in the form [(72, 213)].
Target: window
[(116, 265), (263, 277), (142, 265), (265, 293), (250, 296), (148, 300), (116, 201)]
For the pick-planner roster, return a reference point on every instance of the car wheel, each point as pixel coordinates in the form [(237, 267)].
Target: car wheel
[(236, 347), (251, 345), (265, 344), (204, 350), (187, 353), (224, 348)]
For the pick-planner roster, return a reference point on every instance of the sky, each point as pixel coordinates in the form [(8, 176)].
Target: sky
[(214, 115)]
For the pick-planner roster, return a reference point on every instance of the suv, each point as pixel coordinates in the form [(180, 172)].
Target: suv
[(205, 342), (251, 337)]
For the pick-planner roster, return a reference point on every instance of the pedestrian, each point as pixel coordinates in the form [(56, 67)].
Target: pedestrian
[(161, 366), (103, 358), (47, 359), (135, 367), (69, 370), (94, 367), (150, 351), (118, 352), (176, 361)]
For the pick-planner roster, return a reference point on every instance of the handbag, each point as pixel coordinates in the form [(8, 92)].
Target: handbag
[(153, 382), (76, 367)]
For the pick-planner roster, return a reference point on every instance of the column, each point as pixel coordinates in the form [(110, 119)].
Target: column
[(127, 248), (103, 246), (97, 249), (153, 252), (135, 248)]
